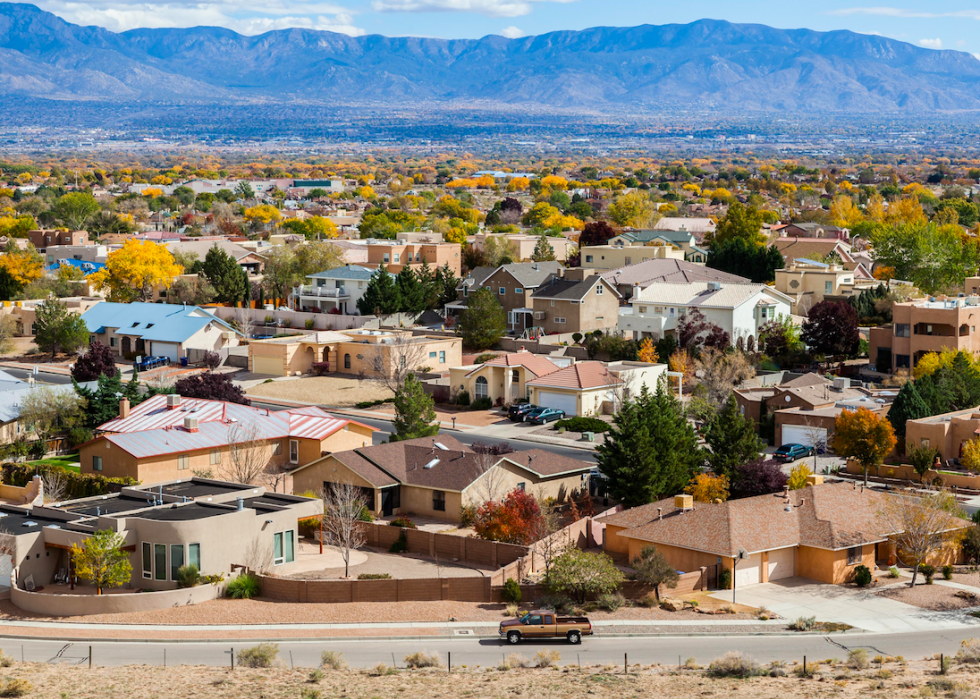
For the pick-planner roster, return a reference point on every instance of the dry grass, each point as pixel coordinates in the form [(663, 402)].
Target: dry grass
[(322, 390), (937, 598)]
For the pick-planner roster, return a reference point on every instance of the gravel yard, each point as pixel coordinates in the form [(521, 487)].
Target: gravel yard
[(937, 598), (322, 390), (398, 565)]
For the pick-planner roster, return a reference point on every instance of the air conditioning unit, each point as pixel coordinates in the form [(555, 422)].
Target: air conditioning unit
[(540, 315), (228, 335), (173, 400), (190, 424), (841, 384)]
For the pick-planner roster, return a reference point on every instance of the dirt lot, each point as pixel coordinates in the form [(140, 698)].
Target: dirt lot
[(938, 598), (322, 390), (896, 681), (402, 566)]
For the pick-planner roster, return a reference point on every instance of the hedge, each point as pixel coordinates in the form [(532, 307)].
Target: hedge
[(583, 424), (77, 485)]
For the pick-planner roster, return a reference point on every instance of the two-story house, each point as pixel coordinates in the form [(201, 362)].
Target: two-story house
[(808, 283), (334, 291), (575, 303), (396, 254), (45, 238), (679, 237), (512, 285), (923, 326)]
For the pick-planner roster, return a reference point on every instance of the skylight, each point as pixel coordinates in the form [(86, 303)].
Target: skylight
[(431, 464)]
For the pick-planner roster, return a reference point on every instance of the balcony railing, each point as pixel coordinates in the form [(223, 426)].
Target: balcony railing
[(320, 292)]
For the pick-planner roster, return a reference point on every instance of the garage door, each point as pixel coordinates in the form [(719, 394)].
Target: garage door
[(782, 564), (749, 571), (560, 401), (164, 349), (267, 365), (807, 436)]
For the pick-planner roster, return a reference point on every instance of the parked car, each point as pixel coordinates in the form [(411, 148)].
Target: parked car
[(152, 363), (540, 416), (544, 623), (792, 452), (519, 411)]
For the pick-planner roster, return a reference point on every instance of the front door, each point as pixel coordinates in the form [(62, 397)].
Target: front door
[(388, 502)]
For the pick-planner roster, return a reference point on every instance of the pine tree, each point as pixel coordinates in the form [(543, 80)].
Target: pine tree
[(543, 252), (651, 451), (908, 405), (103, 402), (483, 322), (732, 440), (58, 329), (446, 283), (415, 415), (381, 296), (430, 286), (225, 274), (410, 291)]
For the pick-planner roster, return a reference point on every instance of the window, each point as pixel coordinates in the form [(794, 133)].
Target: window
[(466, 291), (588, 258), (903, 330), (113, 341), (183, 462), (521, 486), (194, 555), (828, 287), (176, 559), (282, 547), (277, 448), (763, 312), (853, 555), (598, 289), (629, 260), (442, 357), (294, 451), (96, 463), (482, 388), (215, 457), (552, 303), (534, 620), (643, 309), (347, 361), (159, 561), (402, 362), (502, 291), (386, 257), (438, 501), (511, 317), (432, 355), (515, 375), (560, 321), (147, 560), (418, 256), (518, 291), (672, 312), (397, 257)]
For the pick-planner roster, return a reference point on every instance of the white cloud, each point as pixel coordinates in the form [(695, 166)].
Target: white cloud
[(238, 15), (903, 13), (513, 32), (931, 43), (491, 8)]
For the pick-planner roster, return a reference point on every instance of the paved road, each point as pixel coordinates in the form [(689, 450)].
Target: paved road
[(471, 652), (42, 377)]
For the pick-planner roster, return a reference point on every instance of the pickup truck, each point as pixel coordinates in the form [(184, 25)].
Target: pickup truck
[(545, 624)]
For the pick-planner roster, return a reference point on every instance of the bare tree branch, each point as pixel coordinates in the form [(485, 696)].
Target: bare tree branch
[(248, 453), (391, 362), (343, 504), (922, 525), (54, 484)]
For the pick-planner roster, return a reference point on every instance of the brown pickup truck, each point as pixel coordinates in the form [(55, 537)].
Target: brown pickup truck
[(544, 623)]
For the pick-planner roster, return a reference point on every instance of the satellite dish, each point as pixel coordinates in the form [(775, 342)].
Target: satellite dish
[(742, 554)]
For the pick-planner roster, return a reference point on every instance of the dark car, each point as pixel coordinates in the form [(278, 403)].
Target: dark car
[(518, 411), (540, 416), (792, 452)]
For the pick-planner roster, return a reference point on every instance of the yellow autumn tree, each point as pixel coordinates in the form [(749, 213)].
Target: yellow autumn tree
[(262, 215), (929, 363), (874, 210), (152, 192), (707, 487), (634, 209), (648, 352), (20, 267), (455, 235), (864, 435), (554, 182), (845, 213), (134, 271), (680, 361), (798, 476), (321, 227), (518, 184), (905, 210)]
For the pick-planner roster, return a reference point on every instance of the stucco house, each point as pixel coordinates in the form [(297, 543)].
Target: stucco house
[(594, 388), (334, 291), (665, 271), (504, 378), (512, 286), (808, 283), (947, 433), (615, 256), (575, 303), (438, 476)]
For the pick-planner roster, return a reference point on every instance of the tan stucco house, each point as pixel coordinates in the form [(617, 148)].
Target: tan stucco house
[(504, 378), (575, 303), (594, 388)]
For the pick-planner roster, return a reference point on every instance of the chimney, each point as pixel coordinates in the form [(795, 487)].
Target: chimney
[(124, 408), (173, 401)]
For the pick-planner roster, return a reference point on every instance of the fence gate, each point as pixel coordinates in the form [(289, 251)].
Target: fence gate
[(711, 577)]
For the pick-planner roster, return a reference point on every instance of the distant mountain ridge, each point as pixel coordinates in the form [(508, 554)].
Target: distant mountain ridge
[(705, 65)]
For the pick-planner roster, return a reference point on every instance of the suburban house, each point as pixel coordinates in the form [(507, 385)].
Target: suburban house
[(594, 388), (95, 255), (699, 226), (946, 433), (395, 254), (168, 436), (808, 283), (922, 326), (334, 291), (739, 309), (820, 249), (512, 285), (810, 230), (438, 476), (680, 236), (505, 378), (158, 330), (575, 303), (616, 256), (46, 237), (353, 352), (821, 532), (665, 271), (249, 260), (212, 524), (524, 245)]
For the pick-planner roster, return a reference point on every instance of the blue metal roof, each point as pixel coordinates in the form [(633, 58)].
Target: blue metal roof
[(87, 267), (355, 272), (162, 322)]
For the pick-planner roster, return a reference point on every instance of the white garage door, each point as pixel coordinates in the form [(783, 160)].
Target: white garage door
[(782, 564), (749, 571), (560, 401), (807, 436), (165, 349)]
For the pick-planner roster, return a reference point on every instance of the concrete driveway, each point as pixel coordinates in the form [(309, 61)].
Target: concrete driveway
[(863, 609)]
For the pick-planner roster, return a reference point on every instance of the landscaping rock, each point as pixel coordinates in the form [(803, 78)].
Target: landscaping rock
[(672, 605), (966, 594)]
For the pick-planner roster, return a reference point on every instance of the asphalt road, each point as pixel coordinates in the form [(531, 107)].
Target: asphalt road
[(472, 652), (42, 377)]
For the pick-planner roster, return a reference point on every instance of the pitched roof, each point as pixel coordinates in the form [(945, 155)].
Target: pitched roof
[(811, 247), (581, 375), (201, 248), (570, 289), (151, 321), (696, 225), (697, 294), (668, 271), (537, 364), (808, 379)]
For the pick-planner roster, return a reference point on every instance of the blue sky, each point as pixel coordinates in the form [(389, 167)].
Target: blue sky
[(937, 24)]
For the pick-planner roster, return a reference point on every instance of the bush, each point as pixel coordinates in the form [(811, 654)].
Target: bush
[(929, 572), (333, 660), (321, 368), (485, 357), (511, 591), (403, 522), (467, 516), (316, 675), (857, 659), (577, 338), (514, 660), (374, 576), (481, 404), (893, 572), (400, 544), (77, 485), (421, 659), (547, 658), (309, 527), (380, 670), (969, 652), (511, 611), (611, 602), (188, 576), (583, 424), (366, 515), (309, 323), (309, 692), (463, 398), (78, 435), (245, 586), (733, 665), (16, 687), (262, 655), (862, 576), (947, 572), (804, 623), (725, 579)]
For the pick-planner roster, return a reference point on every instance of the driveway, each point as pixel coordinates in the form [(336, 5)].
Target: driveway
[(863, 609)]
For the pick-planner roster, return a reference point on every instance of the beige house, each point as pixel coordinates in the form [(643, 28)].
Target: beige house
[(946, 433), (808, 283), (167, 437), (573, 304), (398, 254), (438, 476), (923, 326), (594, 388), (370, 352), (504, 379), (512, 285), (605, 257), (524, 245)]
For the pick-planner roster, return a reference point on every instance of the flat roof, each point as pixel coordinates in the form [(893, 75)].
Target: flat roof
[(183, 513), (197, 489), (110, 504), (16, 522)]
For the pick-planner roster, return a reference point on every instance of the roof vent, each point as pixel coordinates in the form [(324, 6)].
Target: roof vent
[(29, 523), (714, 286), (441, 446), (239, 504), (173, 401), (431, 464)]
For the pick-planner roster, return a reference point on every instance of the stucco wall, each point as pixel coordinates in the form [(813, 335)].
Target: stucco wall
[(831, 566)]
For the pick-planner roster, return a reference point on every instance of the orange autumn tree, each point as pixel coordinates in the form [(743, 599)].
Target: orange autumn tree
[(513, 520), (707, 487), (864, 435), (648, 352)]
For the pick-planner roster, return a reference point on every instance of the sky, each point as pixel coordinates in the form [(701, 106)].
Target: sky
[(939, 24)]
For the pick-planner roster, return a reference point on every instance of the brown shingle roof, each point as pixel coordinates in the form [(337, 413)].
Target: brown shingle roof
[(808, 379), (578, 376), (537, 364)]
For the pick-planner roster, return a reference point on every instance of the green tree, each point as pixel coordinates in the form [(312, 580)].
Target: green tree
[(732, 439), (381, 296), (483, 322), (225, 275), (281, 274), (543, 252), (243, 190), (73, 209), (653, 568), (651, 451), (411, 291), (935, 258), (580, 574), (949, 388), (445, 284), (102, 402), (56, 329), (741, 221), (908, 405), (415, 414), (102, 560), (317, 256), (743, 257)]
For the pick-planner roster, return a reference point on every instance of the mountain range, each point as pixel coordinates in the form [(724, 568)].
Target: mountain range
[(707, 65)]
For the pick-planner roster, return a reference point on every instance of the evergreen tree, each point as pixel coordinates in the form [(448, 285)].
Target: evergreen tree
[(446, 283), (430, 286), (410, 291), (651, 451), (908, 405), (745, 258), (483, 322), (381, 295), (543, 252), (102, 403), (732, 440), (415, 414), (225, 274), (58, 329)]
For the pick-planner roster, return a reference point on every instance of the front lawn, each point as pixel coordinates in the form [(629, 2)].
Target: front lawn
[(68, 462)]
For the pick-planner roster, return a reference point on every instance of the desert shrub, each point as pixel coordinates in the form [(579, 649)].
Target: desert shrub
[(333, 660), (310, 693), (188, 576), (725, 579), (309, 323), (316, 675), (511, 591), (583, 424), (857, 659), (947, 572), (611, 602), (481, 404), (463, 398), (485, 357), (511, 610), (929, 572), (893, 572), (467, 516), (321, 368), (374, 576), (804, 623), (309, 527), (811, 667), (381, 669), (969, 652), (560, 603), (5, 660), (403, 522), (400, 544), (16, 687), (245, 586), (547, 658), (421, 659), (262, 655), (862, 576), (514, 660), (733, 664)]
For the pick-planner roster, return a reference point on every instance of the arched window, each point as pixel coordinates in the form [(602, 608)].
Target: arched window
[(347, 361), (482, 387)]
